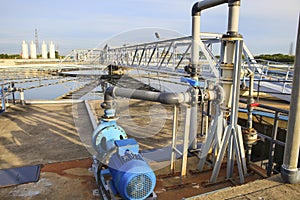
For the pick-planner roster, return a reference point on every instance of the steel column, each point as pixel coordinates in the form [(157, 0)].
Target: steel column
[(290, 171)]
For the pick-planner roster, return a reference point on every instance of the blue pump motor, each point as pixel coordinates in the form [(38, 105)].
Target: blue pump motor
[(131, 175)]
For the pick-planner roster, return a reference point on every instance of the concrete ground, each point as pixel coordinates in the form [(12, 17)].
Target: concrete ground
[(267, 189), (45, 134)]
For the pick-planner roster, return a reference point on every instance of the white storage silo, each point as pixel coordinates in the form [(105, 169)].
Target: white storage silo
[(24, 50), (32, 50), (44, 50), (51, 50)]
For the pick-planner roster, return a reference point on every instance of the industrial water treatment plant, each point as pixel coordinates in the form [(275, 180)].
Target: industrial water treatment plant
[(204, 98)]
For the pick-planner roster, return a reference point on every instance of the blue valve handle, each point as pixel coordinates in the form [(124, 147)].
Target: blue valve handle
[(190, 81)]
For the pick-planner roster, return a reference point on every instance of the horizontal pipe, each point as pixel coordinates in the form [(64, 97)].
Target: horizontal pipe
[(202, 5), (162, 97), (265, 137), (259, 105), (67, 101)]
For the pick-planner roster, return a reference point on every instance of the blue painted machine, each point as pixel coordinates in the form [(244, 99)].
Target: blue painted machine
[(119, 169)]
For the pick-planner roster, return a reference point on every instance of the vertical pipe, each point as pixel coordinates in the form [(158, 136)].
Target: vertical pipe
[(233, 16), (3, 98), (289, 171), (13, 92), (22, 98), (236, 83), (194, 75), (194, 120), (250, 100), (195, 43), (174, 137), (185, 141), (272, 144)]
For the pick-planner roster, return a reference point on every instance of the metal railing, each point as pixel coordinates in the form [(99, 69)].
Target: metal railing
[(277, 114), (173, 56)]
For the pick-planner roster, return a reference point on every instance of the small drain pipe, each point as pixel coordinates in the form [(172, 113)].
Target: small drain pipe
[(162, 97), (289, 170)]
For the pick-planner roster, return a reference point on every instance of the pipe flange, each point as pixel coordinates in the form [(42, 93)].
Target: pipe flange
[(232, 37), (229, 66), (192, 92), (219, 94), (201, 96), (250, 136)]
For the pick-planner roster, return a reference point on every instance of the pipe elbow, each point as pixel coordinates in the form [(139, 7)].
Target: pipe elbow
[(109, 93), (168, 98), (195, 9), (202, 5), (174, 98), (234, 2), (108, 98)]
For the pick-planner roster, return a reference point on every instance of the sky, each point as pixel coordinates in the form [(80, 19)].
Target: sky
[(268, 26)]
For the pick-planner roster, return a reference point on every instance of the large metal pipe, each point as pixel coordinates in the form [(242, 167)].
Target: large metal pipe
[(196, 12), (233, 16), (289, 170), (196, 9), (162, 97), (202, 5)]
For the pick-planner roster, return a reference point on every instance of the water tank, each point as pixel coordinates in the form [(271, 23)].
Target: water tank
[(25, 50), (51, 50), (44, 50), (32, 50)]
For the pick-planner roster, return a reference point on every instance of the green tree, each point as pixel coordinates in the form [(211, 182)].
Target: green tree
[(276, 57)]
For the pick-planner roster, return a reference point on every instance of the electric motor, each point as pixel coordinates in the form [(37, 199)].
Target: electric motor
[(131, 175)]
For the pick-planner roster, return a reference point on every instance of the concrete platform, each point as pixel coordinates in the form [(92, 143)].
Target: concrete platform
[(51, 135), (271, 188)]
